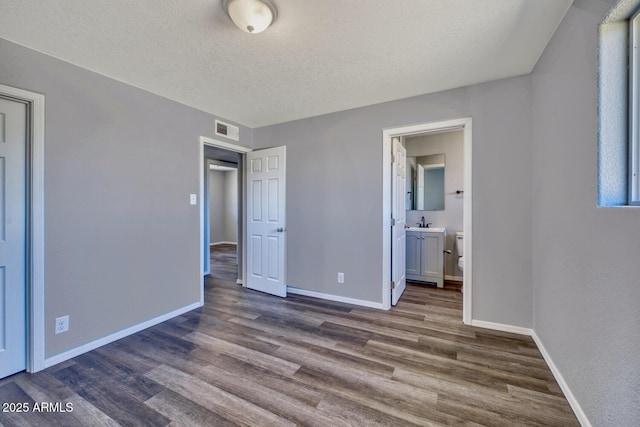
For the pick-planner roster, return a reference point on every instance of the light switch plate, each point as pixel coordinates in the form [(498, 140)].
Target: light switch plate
[(193, 199)]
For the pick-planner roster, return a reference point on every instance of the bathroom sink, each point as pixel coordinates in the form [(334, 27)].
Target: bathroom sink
[(428, 229)]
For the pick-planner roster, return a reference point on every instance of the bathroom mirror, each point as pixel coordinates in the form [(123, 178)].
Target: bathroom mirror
[(425, 183)]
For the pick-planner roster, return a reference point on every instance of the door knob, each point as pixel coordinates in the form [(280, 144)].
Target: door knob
[(279, 229)]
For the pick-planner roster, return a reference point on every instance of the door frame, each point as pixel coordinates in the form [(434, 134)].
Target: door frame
[(203, 168), (418, 129), (35, 224)]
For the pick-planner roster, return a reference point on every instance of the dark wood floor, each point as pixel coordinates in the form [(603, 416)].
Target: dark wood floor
[(246, 358), (224, 264)]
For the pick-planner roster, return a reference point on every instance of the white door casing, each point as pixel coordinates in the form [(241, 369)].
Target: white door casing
[(204, 243), (419, 129), (266, 222), (399, 220), (13, 223)]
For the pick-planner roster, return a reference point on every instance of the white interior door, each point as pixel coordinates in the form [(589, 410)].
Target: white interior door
[(266, 226), (13, 122), (398, 213)]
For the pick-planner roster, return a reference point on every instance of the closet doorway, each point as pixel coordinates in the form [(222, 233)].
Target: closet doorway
[(222, 208), (221, 192)]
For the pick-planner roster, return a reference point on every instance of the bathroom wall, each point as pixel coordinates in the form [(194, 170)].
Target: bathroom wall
[(451, 144)]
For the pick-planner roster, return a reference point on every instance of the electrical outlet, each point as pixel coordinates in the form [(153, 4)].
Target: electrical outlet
[(62, 324), (193, 199), (340, 277)]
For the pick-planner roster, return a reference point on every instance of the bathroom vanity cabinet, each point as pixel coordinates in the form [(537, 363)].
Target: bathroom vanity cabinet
[(425, 255)]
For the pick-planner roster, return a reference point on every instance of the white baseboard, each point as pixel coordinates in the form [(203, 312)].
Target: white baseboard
[(502, 327), (58, 358), (453, 278), (337, 298), (573, 402), (240, 282), (223, 243)]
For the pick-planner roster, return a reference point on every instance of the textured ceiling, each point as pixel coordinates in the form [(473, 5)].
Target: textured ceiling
[(320, 56)]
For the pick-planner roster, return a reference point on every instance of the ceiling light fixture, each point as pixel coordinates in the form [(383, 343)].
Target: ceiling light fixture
[(251, 16)]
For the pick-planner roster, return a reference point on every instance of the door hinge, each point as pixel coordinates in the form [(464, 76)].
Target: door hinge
[(393, 222), (393, 284)]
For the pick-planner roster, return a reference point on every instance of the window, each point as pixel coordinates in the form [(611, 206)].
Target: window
[(634, 109), (618, 92)]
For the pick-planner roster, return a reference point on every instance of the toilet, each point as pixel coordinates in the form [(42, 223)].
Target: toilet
[(460, 249)]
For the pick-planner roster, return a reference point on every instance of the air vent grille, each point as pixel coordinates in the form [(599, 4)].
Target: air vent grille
[(227, 130)]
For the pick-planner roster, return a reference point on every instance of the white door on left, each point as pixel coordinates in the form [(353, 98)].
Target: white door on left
[(13, 124)]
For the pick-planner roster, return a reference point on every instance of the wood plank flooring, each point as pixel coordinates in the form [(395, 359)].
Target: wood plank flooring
[(246, 358)]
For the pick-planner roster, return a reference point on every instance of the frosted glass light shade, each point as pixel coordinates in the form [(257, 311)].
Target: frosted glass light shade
[(251, 16)]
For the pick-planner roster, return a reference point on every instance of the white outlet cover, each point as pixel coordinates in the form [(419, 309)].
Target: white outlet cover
[(62, 324), (193, 199)]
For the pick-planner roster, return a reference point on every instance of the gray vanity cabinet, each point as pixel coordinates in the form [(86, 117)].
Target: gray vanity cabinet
[(425, 256)]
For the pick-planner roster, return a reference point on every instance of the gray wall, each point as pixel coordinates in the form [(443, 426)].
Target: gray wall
[(231, 206), (122, 241), (217, 216), (451, 144), (334, 209), (120, 164), (223, 202), (585, 259)]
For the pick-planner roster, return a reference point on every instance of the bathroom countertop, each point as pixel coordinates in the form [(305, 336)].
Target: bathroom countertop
[(428, 229)]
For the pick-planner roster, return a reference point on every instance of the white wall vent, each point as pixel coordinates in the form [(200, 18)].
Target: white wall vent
[(227, 130)]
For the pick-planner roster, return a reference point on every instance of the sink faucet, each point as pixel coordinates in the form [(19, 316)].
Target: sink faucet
[(422, 223)]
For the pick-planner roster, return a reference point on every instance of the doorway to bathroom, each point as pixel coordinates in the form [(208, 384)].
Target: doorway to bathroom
[(421, 151)]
